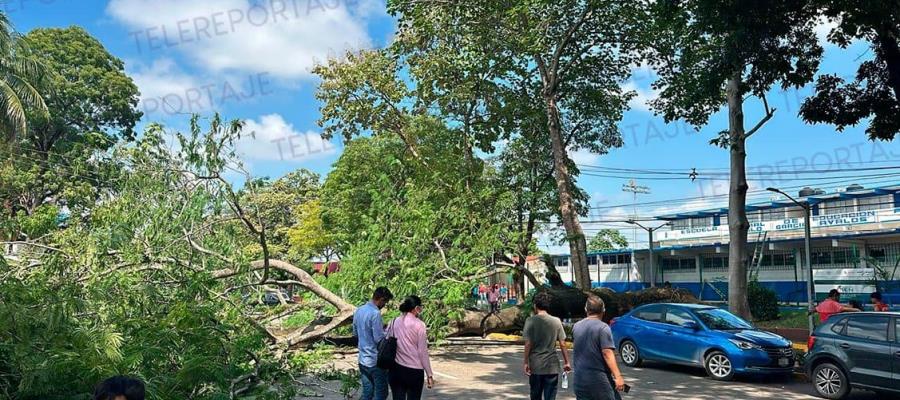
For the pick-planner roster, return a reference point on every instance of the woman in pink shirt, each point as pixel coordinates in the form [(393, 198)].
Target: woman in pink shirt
[(412, 363)]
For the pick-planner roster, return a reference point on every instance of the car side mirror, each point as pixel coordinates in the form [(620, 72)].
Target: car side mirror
[(691, 325)]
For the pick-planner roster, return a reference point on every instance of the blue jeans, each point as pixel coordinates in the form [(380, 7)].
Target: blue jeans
[(374, 383), (543, 385)]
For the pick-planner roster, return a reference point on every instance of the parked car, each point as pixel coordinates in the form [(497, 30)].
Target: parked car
[(700, 335), (856, 350)]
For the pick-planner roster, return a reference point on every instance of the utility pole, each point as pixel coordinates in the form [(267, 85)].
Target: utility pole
[(634, 188), (810, 292), (650, 247)]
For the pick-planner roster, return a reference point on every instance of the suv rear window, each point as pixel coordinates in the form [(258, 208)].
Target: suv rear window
[(868, 327), (651, 313), (838, 326)]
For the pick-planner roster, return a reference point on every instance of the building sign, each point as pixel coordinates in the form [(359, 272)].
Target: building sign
[(790, 224), (851, 282)]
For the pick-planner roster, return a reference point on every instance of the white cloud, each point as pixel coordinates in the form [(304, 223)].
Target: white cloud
[(641, 101), (167, 89), (584, 157), (281, 37), (163, 86), (274, 139)]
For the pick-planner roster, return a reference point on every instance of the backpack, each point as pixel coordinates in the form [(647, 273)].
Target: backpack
[(387, 350)]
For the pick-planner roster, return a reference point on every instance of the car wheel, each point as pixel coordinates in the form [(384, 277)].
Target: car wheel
[(719, 366), (830, 381), (631, 356)]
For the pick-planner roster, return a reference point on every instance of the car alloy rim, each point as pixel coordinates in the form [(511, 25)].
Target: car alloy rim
[(828, 381), (719, 365), (628, 353)]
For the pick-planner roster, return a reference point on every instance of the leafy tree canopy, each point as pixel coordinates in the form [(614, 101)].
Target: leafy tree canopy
[(874, 93), (607, 239)]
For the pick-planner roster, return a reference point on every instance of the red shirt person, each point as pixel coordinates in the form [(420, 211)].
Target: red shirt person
[(832, 305), (880, 305)]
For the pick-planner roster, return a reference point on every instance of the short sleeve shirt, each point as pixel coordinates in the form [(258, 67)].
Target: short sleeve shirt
[(544, 331), (827, 308), (591, 337)]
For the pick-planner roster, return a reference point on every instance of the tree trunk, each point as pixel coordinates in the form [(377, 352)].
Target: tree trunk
[(890, 51), (479, 323), (568, 213), (737, 201)]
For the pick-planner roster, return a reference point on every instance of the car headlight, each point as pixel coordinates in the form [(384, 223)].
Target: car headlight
[(745, 345)]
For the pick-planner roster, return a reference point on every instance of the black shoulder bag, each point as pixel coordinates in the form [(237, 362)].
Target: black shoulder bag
[(387, 350)]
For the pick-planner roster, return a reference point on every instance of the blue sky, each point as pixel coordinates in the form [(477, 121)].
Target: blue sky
[(253, 63)]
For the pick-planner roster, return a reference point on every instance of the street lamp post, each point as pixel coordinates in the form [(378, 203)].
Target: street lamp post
[(650, 248), (810, 292)]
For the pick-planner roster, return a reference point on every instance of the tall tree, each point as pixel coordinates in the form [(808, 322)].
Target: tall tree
[(607, 239), (19, 71), (714, 53), (60, 160), (431, 230), (874, 94), (572, 54)]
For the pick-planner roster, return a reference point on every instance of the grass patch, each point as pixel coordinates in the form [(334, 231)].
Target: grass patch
[(787, 319)]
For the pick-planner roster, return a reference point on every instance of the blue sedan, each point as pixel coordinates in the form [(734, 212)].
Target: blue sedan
[(692, 334)]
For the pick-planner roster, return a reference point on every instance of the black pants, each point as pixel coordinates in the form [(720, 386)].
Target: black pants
[(543, 385), (406, 383)]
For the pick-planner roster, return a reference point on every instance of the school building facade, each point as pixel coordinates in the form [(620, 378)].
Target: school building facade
[(855, 248)]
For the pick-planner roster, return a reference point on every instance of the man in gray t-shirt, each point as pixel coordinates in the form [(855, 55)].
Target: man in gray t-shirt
[(542, 334), (597, 376)]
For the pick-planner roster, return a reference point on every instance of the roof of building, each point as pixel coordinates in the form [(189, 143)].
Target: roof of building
[(813, 199)]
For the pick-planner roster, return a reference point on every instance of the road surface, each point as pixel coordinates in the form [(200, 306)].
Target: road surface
[(495, 372)]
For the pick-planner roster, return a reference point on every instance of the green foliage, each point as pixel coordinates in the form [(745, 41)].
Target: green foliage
[(873, 96), (417, 230), (607, 239), (20, 70), (122, 291), (698, 45), (87, 91), (62, 161), (763, 301)]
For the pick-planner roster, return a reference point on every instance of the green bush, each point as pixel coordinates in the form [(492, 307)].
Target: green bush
[(763, 302)]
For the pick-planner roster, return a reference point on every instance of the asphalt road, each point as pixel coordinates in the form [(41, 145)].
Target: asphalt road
[(495, 372)]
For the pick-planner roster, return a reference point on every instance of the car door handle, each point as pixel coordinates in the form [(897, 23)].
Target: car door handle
[(845, 345), (897, 354), (668, 332)]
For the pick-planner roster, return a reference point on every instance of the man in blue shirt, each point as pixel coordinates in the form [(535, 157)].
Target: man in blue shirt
[(368, 327)]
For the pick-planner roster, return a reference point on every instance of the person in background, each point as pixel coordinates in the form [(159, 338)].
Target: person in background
[(368, 327), (482, 292), (504, 293), (494, 298), (542, 333), (597, 375), (832, 305), (119, 388), (413, 365), (880, 306)]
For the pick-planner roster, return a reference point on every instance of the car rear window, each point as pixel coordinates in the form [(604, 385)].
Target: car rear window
[(838, 326), (677, 317), (650, 313), (868, 327)]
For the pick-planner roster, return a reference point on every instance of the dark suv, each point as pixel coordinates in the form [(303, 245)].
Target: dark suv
[(859, 350)]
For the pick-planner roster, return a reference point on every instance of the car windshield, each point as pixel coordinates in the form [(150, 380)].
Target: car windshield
[(721, 320)]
